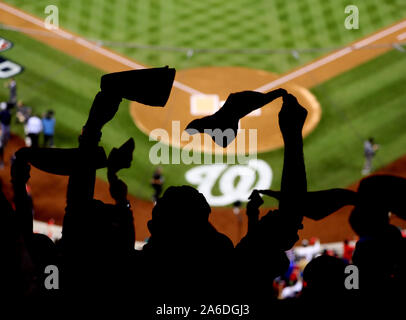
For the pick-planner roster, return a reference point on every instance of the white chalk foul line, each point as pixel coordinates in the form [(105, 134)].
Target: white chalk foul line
[(402, 36), (380, 35), (89, 45), (331, 57), (304, 70)]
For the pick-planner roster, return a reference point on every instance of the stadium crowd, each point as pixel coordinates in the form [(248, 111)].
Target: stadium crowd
[(96, 257)]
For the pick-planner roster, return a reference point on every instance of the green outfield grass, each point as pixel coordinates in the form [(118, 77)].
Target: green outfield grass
[(366, 101), (230, 24)]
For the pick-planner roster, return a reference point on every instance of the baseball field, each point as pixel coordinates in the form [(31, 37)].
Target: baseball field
[(351, 81)]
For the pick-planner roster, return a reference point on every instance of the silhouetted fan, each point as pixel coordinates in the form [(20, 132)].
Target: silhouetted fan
[(386, 192), (237, 106), (181, 215), (325, 275), (366, 221), (185, 256), (147, 86), (180, 208), (378, 195), (61, 161), (320, 204)]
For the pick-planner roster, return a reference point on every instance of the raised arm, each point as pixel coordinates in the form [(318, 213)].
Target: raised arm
[(119, 159), (293, 185), (291, 120), (278, 229), (82, 180), (255, 201), (147, 86)]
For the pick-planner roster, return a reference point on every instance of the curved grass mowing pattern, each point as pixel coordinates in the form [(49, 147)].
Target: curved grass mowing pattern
[(232, 24)]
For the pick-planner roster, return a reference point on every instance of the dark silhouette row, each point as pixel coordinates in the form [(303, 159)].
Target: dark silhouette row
[(186, 260)]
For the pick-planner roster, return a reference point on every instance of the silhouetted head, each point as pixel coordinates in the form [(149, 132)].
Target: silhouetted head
[(380, 258), (378, 195), (119, 226), (280, 227), (104, 228), (42, 251), (385, 193), (365, 221), (325, 275), (181, 214)]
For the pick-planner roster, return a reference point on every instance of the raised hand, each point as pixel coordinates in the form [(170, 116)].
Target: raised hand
[(122, 157), (292, 116), (119, 158), (255, 201)]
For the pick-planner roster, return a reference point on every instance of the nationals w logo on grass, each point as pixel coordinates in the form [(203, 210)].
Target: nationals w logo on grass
[(8, 68), (234, 182), (5, 44)]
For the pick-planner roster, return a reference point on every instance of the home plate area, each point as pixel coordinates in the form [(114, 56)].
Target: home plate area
[(213, 85)]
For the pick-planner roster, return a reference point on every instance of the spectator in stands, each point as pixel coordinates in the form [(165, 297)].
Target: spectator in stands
[(294, 286), (348, 250), (308, 251), (48, 124)]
